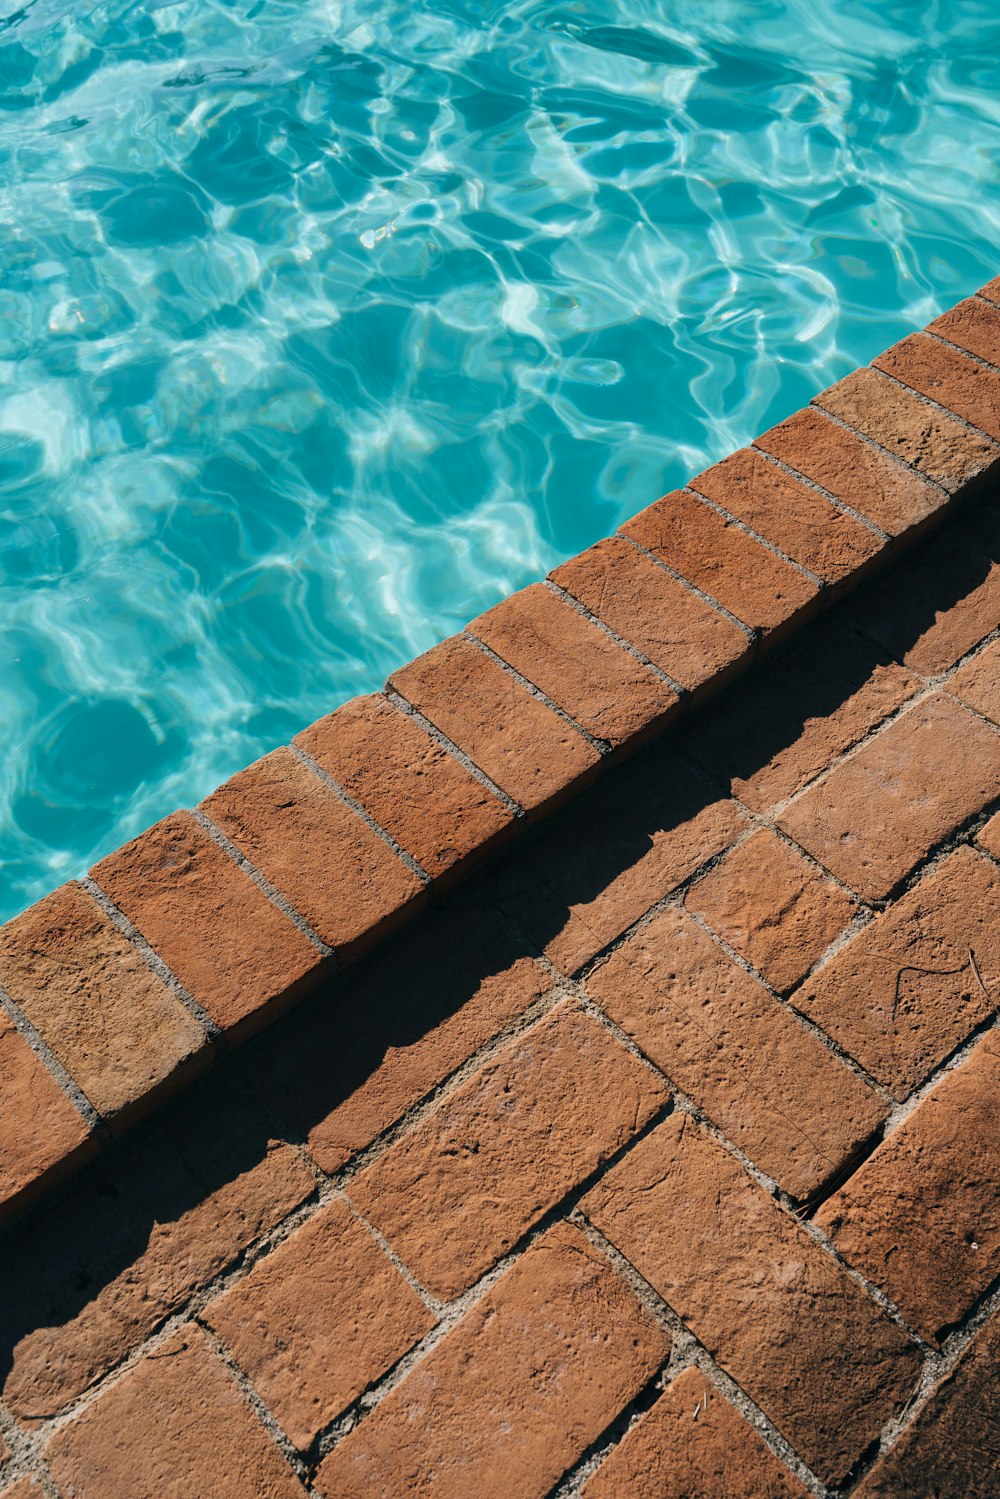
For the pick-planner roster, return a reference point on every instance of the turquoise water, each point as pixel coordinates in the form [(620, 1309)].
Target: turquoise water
[(324, 325)]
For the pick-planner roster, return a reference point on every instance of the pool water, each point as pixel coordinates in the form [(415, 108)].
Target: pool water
[(325, 325)]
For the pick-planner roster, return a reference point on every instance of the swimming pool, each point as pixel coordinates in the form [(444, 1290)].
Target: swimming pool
[(323, 326)]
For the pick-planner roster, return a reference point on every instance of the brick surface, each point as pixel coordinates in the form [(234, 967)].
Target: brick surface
[(318, 1320), (602, 688), (24, 1488), (797, 1334), (176, 1424), (40, 1130), (774, 907), (721, 559), (988, 837), (973, 325), (909, 988), (231, 948), (461, 1188), (515, 1392), (769, 1084), (525, 748), (945, 376), (881, 811), (977, 683), (921, 1218), (114, 1026), (429, 803)]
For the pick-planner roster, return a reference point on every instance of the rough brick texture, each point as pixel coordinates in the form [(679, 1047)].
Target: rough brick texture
[(945, 376), (40, 1130), (977, 682), (973, 325)]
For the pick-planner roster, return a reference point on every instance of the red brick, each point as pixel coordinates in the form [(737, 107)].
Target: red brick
[(789, 514), (692, 1444), (921, 1218), (525, 748), (41, 1133), (773, 907), (770, 1085), (968, 389), (973, 325), (989, 836), (459, 1191), (113, 1025), (977, 683), (721, 559), (602, 688), (429, 803), (515, 1392), (176, 1424), (909, 988), (318, 1320), (231, 948), (878, 813), (24, 1488), (991, 291), (646, 606), (778, 1313)]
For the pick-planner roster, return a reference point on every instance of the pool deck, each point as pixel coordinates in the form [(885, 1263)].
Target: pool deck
[(573, 1070)]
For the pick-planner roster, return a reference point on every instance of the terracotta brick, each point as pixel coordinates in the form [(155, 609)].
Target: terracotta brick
[(977, 683), (24, 1488), (176, 1424), (968, 389), (991, 291), (466, 1184), (525, 748), (989, 836), (789, 514), (318, 1320), (41, 1133), (602, 688), (739, 1054), (646, 606), (231, 948), (773, 907), (921, 1218), (721, 559), (973, 325), (878, 813), (429, 803), (113, 1025), (515, 1392), (692, 1443), (909, 988), (878, 486), (778, 1314)]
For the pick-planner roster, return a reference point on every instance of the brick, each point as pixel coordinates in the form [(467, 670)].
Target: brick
[(774, 907), (929, 440), (722, 560), (512, 1396), (318, 1320), (460, 1190), (602, 688), (692, 1443), (868, 479), (525, 747), (231, 948), (989, 836), (176, 1424), (116, 1028), (649, 608), (330, 866), (991, 291), (429, 803), (903, 993), (921, 1218), (789, 514), (878, 813), (977, 683), (41, 1133), (932, 369), (23, 1488), (973, 325), (772, 1307), (740, 1055)]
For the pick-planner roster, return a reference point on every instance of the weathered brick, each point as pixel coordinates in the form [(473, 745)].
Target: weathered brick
[(692, 1444), (116, 1028), (525, 747), (932, 369), (602, 688), (991, 291), (463, 1186), (778, 1313), (878, 813), (176, 1424), (921, 1218), (903, 993), (977, 683), (318, 1320), (973, 325), (231, 948), (41, 1133), (774, 907), (989, 836), (421, 795), (770, 1085), (515, 1392), (23, 1488), (722, 560)]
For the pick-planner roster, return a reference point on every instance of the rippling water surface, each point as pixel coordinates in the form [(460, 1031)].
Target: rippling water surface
[(324, 325)]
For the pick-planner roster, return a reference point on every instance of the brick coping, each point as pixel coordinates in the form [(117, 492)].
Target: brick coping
[(117, 990)]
